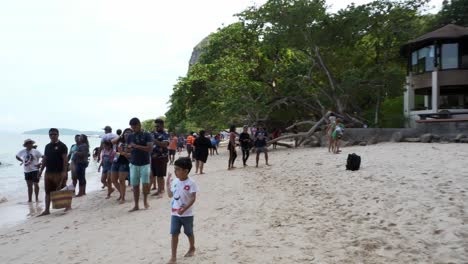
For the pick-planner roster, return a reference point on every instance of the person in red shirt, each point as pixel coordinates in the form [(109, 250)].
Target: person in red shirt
[(189, 145), (172, 147)]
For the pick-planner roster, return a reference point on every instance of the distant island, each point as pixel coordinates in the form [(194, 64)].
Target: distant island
[(63, 131)]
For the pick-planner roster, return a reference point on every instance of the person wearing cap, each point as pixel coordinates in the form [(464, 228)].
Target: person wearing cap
[(140, 145), (108, 136), (29, 158)]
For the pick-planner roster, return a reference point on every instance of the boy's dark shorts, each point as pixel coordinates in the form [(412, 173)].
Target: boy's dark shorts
[(172, 152), (177, 222), (32, 176)]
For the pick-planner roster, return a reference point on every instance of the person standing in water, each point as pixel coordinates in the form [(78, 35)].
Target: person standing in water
[(29, 158), (80, 159), (55, 163)]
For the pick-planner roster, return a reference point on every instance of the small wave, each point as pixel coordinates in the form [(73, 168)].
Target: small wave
[(2, 164)]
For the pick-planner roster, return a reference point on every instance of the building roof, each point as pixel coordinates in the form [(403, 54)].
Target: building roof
[(447, 32)]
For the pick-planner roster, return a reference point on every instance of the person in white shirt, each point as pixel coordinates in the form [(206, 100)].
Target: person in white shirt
[(183, 192), (30, 159), (108, 136)]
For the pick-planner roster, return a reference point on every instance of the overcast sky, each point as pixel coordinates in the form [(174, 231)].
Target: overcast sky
[(90, 63)]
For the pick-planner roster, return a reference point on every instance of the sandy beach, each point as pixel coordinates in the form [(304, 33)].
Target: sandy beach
[(407, 204)]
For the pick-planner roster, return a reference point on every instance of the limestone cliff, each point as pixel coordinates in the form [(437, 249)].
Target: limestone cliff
[(198, 51)]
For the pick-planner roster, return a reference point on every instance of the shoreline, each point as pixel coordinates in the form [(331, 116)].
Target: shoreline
[(401, 207)]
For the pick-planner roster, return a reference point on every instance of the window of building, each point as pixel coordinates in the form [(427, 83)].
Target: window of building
[(464, 55), (414, 62), (422, 60), (449, 56)]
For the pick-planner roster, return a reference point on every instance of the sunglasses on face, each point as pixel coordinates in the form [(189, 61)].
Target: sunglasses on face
[(53, 134)]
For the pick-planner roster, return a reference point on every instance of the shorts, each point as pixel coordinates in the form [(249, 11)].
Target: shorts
[(177, 222), (138, 173), (261, 149), (159, 167), (118, 167), (172, 152), (53, 182), (80, 173), (32, 176), (106, 167), (189, 148)]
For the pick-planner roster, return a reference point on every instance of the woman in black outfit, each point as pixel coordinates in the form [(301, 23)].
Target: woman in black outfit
[(202, 144), (246, 144)]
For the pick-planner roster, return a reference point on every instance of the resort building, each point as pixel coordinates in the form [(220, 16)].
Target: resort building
[(436, 88)]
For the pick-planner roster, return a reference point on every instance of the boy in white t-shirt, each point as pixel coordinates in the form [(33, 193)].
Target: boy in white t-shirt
[(183, 192), (29, 158)]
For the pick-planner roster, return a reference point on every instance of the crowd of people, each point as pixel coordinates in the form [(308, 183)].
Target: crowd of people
[(141, 158)]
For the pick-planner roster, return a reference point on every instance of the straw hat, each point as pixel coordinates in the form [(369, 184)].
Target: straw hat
[(26, 141)]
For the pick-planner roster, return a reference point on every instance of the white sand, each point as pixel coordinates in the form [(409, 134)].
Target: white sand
[(407, 204)]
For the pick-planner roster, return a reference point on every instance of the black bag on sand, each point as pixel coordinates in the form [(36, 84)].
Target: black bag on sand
[(354, 162)]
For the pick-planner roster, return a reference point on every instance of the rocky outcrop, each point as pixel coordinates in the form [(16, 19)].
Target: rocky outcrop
[(198, 51)]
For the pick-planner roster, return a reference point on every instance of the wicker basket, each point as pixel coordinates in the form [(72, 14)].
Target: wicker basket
[(61, 199)]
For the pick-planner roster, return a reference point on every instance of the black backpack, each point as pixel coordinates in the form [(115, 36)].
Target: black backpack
[(354, 162)]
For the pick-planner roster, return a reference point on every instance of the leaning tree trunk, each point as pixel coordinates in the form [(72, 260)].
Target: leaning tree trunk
[(301, 137)]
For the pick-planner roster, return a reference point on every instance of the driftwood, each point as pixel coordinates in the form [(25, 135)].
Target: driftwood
[(301, 123), (301, 137)]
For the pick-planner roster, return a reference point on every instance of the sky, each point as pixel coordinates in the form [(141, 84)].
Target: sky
[(90, 63)]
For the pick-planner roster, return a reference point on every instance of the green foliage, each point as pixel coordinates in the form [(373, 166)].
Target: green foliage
[(148, 125), (453, 12), (392, 112), (291, 60)]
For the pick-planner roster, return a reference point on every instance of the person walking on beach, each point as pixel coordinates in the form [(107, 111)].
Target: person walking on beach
[(183, 191), (202, 146), (261, 144), (214, 146), (180, 144), (330, 128), (80, 159), (108, 136), (276, 134), (159, 157), (73, 150), (55, 163), (246, 144), (172, 148), (107, 157), (189, 145), (120, 165), (232, 147), (337, 134), (30, 159), (140, 145)]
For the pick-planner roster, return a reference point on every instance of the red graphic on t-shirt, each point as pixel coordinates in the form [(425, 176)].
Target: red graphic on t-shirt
[(187, 187)]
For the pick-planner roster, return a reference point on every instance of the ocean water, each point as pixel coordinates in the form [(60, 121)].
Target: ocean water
[(13, 190)]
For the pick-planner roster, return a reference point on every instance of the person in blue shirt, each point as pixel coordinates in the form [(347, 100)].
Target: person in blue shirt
[(140, 145)]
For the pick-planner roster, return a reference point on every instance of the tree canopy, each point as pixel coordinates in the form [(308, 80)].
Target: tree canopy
[(291, 60)]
